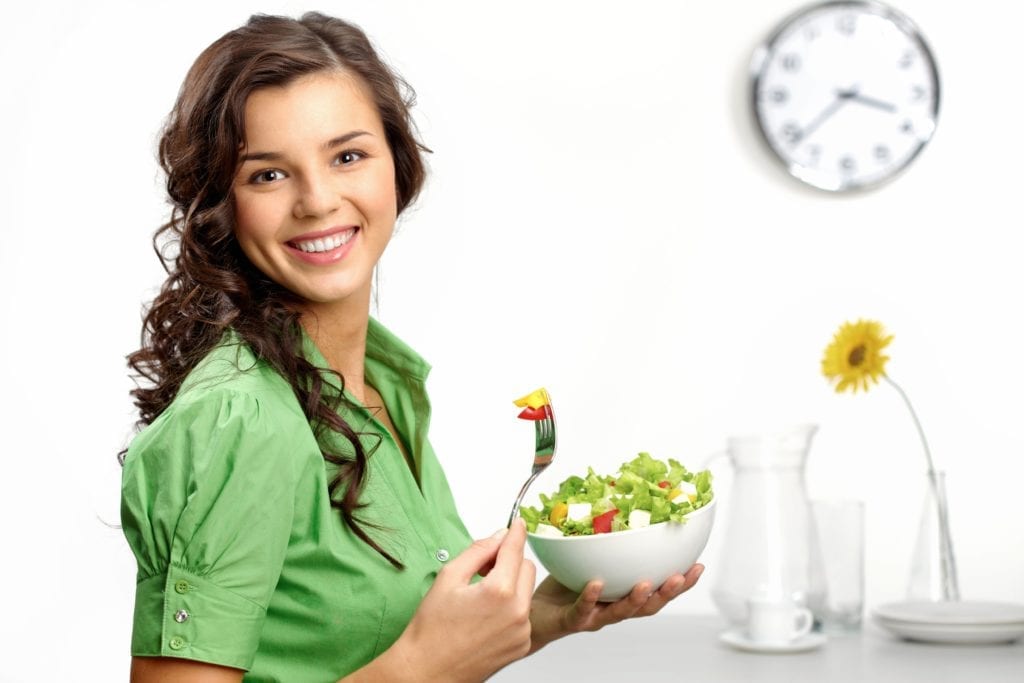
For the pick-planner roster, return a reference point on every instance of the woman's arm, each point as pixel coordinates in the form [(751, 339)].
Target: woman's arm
[(172, 670), (462, 632)]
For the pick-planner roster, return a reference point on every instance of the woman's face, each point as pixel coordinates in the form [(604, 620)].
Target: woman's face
[(315, 201)]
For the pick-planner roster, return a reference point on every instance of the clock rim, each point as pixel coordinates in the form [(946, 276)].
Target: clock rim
[(765, 49)]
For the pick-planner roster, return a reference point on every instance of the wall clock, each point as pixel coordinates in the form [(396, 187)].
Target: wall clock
[(846, 93)]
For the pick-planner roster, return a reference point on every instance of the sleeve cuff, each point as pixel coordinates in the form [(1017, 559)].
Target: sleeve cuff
[(179, 614)]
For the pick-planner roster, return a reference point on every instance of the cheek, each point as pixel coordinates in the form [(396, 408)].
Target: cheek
[(387, 197), (253, 219)]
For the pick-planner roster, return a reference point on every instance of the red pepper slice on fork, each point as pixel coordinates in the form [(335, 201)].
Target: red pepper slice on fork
[(532, 413)]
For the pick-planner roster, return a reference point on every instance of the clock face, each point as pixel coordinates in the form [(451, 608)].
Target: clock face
[(846, 94)]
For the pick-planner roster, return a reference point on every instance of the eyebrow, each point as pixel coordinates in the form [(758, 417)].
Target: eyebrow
[(330, 144)]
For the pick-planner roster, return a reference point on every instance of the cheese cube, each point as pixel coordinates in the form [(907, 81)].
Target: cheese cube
[(638, 519), (547, 530), (578, 511), (688, 492)]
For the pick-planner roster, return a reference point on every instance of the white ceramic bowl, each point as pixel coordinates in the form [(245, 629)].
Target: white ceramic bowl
[(622, 559)]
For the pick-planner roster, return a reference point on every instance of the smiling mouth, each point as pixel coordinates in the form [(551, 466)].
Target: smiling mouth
[(323, 244)]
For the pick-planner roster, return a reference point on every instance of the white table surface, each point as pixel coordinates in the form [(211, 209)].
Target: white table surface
[(676, 647)]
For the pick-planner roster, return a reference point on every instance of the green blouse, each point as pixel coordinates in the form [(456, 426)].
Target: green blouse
[(241, 559)]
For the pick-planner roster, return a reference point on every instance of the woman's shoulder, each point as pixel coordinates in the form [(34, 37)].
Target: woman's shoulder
[(230, 390), (231, 366)]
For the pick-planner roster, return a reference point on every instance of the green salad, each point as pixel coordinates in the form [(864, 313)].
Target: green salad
[(645, 491)]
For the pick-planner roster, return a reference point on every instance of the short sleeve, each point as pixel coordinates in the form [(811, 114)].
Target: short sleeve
[(207, 502)]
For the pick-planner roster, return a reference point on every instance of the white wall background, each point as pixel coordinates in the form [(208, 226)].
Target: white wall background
[(601, 220)]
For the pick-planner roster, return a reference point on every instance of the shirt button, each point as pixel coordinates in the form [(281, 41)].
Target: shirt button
[(177, 643), (181, 586), (181, 616), (442, 555)]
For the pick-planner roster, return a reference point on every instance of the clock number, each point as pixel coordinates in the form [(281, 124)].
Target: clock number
[(814, 155), (882, 153), (848, 165), (778, 95), (791, 62), (792, 133), (907, 126), (811, 33), (907, 59), (846, 24), (918, 92)]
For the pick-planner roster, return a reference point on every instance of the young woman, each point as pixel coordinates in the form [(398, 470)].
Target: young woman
[(290, 519)]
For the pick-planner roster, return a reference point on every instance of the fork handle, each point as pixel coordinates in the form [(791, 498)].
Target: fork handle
[(519, 498)]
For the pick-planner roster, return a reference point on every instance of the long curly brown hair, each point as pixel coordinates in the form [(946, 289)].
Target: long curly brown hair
[(211, 286)]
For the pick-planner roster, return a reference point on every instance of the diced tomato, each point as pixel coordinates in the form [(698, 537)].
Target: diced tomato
[(603, 523), (663, 484)]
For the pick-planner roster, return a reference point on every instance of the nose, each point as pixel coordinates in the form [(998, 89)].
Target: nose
[(319, 195)]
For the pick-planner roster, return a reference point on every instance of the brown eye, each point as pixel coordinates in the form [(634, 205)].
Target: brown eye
[(348, 157), (268, 176)]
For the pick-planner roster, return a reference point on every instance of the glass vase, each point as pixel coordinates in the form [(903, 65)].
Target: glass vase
[(933, 565)]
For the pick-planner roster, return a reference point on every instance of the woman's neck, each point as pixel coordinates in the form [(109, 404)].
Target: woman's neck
[(339, 332)]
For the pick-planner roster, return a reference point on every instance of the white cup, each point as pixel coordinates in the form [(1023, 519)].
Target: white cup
[(777, 621)]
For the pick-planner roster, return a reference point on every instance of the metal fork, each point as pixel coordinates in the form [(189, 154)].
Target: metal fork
[(544, 453)]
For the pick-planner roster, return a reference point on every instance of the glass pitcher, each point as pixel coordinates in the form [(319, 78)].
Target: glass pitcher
[(770, 548)]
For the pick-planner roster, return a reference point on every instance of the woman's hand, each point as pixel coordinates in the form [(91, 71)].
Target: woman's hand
[(465, 631), (557, 611)]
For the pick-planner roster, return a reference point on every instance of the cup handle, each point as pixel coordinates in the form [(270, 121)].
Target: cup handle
[(803, 623)]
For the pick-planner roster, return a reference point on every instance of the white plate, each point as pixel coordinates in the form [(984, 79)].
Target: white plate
[(983, 634), (739, 640), (964, 612), (968, 622)]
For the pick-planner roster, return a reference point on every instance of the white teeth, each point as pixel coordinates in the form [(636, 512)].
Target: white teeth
[(325, 243)]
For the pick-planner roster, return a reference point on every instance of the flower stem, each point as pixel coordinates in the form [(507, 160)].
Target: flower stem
[(950, 583), (917, 423)]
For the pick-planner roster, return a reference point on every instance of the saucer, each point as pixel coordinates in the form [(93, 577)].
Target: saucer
[(965, 622), (739, 640)]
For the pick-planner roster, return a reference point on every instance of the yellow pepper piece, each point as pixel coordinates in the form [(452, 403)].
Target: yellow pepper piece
[(534, 400), (673, 493), (558, 513)]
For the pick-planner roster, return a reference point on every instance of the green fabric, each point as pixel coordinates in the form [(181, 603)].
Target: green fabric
[(225, 505)]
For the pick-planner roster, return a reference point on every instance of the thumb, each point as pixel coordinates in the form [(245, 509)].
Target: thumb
[(476, 559)]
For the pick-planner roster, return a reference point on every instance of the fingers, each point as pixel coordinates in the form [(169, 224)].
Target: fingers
[(509, 558), (674, 586), (591, 592), (628, 606), (692, 575), (584, 607), (527, 578), (644, 601), (475, 559)]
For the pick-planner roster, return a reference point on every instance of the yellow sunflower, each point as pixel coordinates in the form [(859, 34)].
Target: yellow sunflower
[(854, 357)]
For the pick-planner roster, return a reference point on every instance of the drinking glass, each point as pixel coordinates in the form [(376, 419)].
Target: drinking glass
[(840, 539)]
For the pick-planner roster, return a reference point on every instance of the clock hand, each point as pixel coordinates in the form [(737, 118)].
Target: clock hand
[(825, 114), (872, 102)]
